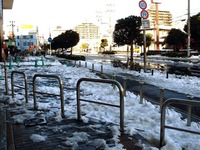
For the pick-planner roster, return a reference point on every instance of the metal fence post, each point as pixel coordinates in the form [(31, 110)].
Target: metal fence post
[(6, 78), (141, 92), (152, 72), (161, 97), (85, 64), (167, 74), (79, 63), (189, 111), (92, 67), (101, 68), (124, 86)]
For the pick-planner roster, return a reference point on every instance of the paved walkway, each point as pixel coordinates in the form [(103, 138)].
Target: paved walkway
[(68, 134), (18, 135)]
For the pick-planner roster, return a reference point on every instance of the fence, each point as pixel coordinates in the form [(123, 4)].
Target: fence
[(121, 91)]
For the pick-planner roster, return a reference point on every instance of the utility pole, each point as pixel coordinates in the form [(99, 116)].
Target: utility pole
[(12, 25), (188, 46), (156, 2)]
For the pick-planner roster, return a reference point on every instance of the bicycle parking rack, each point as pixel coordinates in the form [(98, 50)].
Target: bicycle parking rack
[(163, 113), (121, 91), (61, 90), (21, 87)]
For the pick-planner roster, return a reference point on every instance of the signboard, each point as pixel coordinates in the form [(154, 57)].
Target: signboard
[(26, 26), (144, 14), (156, 1), (145, 24)]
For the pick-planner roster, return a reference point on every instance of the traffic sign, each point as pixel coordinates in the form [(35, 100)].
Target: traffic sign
[(49, 39), (142, 4), (145, 24), (144, 14)]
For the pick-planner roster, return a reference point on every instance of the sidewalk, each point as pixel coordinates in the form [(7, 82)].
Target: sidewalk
[(63, 135)]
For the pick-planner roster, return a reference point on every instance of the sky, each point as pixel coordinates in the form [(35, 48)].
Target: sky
[(50, 13), (136, 121)]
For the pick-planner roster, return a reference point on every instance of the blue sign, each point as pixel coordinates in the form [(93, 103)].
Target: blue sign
[(49, 39)]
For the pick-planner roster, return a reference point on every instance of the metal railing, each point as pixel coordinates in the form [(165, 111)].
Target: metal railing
[(61, 90), (163, 113), (21, 87), (121, 92)]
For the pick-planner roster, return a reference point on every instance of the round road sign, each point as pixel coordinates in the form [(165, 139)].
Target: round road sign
[(49, 39), (144, 14), (142, 4)]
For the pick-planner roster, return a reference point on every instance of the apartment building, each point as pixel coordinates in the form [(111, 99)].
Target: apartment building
[(159, 26), (164, 17), (88, 33)]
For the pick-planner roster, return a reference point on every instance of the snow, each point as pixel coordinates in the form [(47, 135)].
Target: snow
[(38, 138), (139, 118)]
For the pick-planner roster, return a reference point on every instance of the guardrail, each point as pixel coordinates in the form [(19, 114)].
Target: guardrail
[(61, 90), (21, 87), (121, 91), (163, 113)]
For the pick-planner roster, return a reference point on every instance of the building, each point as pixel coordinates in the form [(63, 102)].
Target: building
[(4, 4), (160, 25), (164, 17), (57, 31), (27, 37), (89, 33), (26, 42)]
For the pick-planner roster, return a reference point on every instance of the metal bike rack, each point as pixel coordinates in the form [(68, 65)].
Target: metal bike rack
[(25, 84), (121, 91), (163, 111), (61, 90)]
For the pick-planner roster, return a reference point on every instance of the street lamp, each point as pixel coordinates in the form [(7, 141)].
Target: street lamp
[(188, 22)]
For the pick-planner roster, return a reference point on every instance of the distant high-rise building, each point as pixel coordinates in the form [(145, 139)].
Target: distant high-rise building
[(164, 17), (87, 31), (160, 25)]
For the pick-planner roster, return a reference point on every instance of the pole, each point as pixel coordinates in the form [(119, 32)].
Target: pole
[(157, 29), (188, 46), (144, 33)]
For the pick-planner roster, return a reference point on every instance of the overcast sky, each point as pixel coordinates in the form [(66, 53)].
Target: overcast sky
[(50, 13)]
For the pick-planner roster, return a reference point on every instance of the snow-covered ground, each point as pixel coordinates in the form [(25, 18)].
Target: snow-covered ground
[(139, 118)]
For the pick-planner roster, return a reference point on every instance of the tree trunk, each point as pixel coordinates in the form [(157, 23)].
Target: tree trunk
[(71, 51), (131, 59)]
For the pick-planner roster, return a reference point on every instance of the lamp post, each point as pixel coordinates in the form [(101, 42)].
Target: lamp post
[(188, 22)]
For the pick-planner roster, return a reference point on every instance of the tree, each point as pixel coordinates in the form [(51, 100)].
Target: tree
[(85, 46), (126, 31), (104, 43), (66, 40), (194, 30), (176, 38), (149, 40)]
